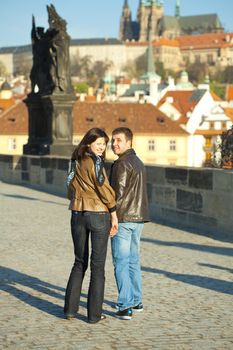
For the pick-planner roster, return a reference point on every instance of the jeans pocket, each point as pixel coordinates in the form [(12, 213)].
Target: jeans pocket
[(99, 221)]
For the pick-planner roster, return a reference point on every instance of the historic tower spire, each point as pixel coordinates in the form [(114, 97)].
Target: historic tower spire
[(126, 32), (177, 11)]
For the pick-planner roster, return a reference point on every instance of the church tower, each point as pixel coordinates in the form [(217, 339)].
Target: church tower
[(149, 14), (177, 10), (126, 31)]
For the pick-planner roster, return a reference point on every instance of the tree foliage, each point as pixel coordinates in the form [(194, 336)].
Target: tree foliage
[(24, 69), (218, 89), (225, 76), (81, 87), (197, 72), (92, 73)]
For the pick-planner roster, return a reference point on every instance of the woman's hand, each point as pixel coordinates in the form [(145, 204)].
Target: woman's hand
[(114, 225)]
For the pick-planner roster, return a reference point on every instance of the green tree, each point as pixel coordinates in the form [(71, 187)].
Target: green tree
[(81, 87), (225, 76), (218, 89), (88, 71), (197, 72), (97, 72), (137, 68)]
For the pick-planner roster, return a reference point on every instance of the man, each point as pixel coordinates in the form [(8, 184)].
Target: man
[(128, 180)]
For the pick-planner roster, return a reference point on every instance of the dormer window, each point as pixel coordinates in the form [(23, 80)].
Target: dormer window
[(160, 120), (122, 119), (90, 119), (11, 119)]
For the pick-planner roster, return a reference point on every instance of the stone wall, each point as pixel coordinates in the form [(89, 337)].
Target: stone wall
[(195, 198)]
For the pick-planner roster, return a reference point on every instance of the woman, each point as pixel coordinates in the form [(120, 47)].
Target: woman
[(93, 206)]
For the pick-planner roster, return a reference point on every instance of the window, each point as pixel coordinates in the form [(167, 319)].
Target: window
[(210, 59), (224, 125), (11, 144), (197, 58), (172, 145), (208, 142), (151, 145), (211, 125)]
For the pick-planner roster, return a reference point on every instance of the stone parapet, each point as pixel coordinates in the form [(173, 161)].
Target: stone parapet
[(195, 198)]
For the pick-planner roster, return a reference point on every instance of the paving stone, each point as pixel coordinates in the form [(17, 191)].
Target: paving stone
[(187, 285)]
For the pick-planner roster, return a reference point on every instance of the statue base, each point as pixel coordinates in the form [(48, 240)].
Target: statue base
[(50, 124)]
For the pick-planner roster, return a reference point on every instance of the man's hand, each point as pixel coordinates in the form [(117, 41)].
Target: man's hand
[(114, 225)]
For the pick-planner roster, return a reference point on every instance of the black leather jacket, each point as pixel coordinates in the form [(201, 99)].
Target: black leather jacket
[(128, 179)]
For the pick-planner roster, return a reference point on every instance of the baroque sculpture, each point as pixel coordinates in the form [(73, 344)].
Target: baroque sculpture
[(51, 100), (51, 67)]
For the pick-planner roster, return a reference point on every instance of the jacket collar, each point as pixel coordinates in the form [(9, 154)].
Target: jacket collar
[(128, 152)]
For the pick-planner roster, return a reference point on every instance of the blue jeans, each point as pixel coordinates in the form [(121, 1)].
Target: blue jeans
[(126, 262), (97, 225)]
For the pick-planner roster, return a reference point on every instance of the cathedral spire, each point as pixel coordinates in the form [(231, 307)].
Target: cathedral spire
[(126, 31), (177, 12), (150, 56)]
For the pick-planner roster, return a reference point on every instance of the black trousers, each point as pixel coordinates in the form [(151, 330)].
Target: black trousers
[(96, 225)]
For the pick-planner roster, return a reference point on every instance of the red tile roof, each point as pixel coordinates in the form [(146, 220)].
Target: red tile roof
[(181, 100), (141, 118), (14, 121), (215, 97), (166, 42), (229, 113), (156, 42), (208, 40), (6, 103), (229, 93)]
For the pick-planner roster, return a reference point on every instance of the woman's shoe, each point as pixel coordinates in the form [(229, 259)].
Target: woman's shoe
[(103, 317), (70, 317)]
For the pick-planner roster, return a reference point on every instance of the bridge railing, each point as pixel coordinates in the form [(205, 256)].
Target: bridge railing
[(197, 198)]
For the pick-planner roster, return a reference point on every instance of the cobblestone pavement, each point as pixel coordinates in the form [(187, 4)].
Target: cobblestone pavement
[(187, 279)]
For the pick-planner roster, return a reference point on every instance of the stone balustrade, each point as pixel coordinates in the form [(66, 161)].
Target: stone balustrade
[(197, 198)]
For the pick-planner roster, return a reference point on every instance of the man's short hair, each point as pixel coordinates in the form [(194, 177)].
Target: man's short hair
[(126, 131)]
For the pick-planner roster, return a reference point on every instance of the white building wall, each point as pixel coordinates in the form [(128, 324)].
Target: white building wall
[(111, 53), (7, 60), (202, 108), (196, 154)]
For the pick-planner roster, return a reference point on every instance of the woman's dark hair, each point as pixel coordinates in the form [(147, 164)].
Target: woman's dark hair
[(91, 136)]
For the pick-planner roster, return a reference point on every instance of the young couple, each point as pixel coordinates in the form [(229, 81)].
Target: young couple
[(101, 209)]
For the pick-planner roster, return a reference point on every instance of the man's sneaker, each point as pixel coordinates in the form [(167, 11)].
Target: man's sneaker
[(125, 314), (138, 307), (116, 306)]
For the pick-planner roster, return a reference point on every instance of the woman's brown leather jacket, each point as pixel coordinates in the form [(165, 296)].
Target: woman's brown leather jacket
[(90, 189)]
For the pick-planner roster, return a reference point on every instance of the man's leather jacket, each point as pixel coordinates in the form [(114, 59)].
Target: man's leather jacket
[(89, 190), (128, 180)]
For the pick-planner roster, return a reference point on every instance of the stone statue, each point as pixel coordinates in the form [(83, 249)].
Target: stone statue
[(41, 80), (51, 100), (59, 51), (50, 72)]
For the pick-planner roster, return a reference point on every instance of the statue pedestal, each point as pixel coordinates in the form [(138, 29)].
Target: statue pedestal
[(50, 124)]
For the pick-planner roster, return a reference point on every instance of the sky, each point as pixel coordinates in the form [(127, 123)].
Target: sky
[(91, 18)]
